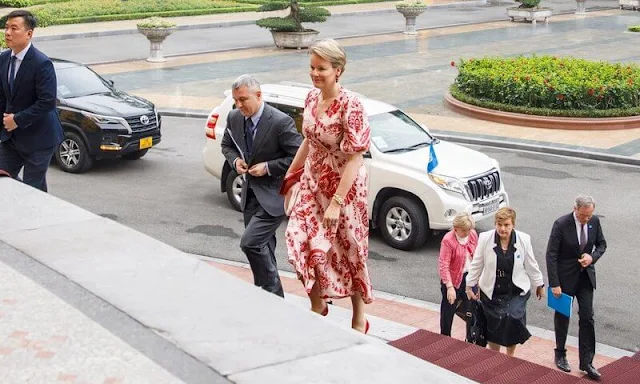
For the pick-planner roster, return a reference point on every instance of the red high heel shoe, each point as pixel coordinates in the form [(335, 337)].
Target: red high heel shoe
[(325, 312), (366, 327)]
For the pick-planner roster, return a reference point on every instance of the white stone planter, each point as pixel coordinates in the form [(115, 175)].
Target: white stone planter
[(296, 40), (410, 14), (156, 37), (630, 4), (581, 7), (529, 14)]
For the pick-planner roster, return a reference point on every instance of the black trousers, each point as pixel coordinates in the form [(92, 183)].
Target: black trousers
[(259, 245), (586, 332), (34, 165), (448, 311)]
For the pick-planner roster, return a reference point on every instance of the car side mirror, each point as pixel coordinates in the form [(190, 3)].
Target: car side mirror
[(111, 82)]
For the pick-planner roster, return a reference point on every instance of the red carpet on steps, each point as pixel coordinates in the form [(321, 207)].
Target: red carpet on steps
[(485, 366)]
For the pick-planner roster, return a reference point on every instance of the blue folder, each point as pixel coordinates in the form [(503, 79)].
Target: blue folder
[(561, 304)]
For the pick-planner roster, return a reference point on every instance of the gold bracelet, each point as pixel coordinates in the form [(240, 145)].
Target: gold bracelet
[(338, 199)]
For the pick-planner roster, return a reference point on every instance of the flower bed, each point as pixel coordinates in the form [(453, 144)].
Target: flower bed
[(550, 86)]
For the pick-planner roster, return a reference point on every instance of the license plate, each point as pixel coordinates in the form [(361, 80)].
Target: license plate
[(491, 207), (146, 142)]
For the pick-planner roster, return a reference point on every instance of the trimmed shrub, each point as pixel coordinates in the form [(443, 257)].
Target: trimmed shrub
[(411, 4), (293, 21), (16, 3), (555, 84), (634, 28), (528, 3), (156, 22)]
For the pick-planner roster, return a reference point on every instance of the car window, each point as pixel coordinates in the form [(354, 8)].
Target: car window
[(295, 113), (80, 81), (395, 131)]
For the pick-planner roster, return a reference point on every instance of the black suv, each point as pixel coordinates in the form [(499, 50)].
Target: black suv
[(99, 121)]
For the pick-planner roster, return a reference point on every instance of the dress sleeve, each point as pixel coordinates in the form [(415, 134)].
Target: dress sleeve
[(357, 133), (307, 113)]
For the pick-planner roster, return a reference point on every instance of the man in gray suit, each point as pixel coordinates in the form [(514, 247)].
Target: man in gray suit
[(260, 143)]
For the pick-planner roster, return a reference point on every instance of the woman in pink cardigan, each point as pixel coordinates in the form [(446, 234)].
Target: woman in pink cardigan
[(456, 251)]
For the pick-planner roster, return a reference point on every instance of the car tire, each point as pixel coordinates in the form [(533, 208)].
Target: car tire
[(404, 223), (234, 190), (72, 154), (136, 155)]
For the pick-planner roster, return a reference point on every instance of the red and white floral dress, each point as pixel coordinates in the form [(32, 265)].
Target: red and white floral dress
[(335, 258)]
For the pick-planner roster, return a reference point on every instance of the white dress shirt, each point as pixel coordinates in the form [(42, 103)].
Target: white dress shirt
[(19, 57)]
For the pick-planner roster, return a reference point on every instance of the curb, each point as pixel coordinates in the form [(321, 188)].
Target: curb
[(542, 149), (187, 113), (616, 159), (222, 24), (540, 121)]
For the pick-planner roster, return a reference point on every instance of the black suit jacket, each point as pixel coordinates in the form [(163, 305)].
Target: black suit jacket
[(276, 143), (563, 251), (33, 102)]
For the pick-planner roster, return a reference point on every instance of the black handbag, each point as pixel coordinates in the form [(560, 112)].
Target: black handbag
[(477, 325)]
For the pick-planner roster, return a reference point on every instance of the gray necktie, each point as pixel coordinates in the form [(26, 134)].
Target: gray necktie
[(12, 72)]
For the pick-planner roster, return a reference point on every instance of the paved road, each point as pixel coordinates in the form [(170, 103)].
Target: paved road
[(135, 46), (169, 196)]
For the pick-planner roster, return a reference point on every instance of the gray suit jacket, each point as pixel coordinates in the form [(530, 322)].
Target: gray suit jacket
[(276, 143)]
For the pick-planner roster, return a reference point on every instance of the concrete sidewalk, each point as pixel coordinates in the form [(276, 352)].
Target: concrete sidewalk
[(392, 317)]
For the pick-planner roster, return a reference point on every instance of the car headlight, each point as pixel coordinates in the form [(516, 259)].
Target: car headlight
[(105, 119), (451, 184), (495, 164)]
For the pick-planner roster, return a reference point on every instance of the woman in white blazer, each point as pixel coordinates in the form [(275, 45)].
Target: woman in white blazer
[(504, 268)]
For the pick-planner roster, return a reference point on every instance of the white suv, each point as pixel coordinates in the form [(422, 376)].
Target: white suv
[(405, 201)]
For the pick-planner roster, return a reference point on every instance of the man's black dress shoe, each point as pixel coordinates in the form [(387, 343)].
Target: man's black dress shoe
[(591, 371), (562, 363)]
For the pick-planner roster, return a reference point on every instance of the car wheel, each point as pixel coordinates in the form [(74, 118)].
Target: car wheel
[(404, 223), (136, 155), (234, 189), (72, 154)]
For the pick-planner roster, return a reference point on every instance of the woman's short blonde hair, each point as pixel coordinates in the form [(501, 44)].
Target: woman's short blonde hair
[(504, 214), (332, 51), (463, 220)]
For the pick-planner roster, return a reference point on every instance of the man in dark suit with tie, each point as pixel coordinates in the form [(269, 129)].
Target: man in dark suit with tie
[(30, 131), (260, 143), (576, 243)]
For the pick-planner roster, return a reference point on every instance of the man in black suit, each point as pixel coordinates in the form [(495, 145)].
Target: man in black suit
[(576, 243), (260, 143), (31, 130)]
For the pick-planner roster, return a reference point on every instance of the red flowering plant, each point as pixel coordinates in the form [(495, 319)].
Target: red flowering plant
[(554, 86)]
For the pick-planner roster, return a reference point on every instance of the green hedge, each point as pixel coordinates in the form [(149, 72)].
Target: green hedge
[(553, 84), (634, 28), (45, 18), (26, 3)]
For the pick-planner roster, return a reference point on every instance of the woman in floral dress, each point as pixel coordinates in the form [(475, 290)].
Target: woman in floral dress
[(328, 231)]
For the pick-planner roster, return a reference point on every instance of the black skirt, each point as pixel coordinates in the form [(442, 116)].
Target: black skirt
[(506, 318)]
